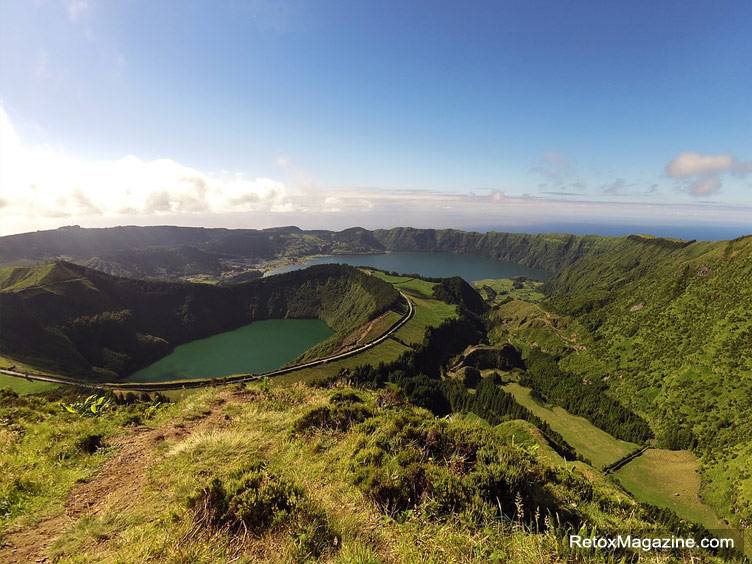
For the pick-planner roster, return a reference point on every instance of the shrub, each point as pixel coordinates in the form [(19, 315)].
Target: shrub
[(90, 444), (9, 398), (410, 461), (92, 406), (472, 377), (255, 500), (345, 409), (391, 396), (132, 419), (345, 397), (314, 535)]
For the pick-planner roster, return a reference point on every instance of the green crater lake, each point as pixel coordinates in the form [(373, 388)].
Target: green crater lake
[(259, 347), (433, 265)]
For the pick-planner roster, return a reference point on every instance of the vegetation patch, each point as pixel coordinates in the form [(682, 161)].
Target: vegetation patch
[(410, 461), (668, 479), (46, 449), (501, 290), (682, 359), (90, 444), (592, 443), (586, 398), (344, 411), (428, 313), (23, 386), (254, 501), (412, 286), (328, 498)]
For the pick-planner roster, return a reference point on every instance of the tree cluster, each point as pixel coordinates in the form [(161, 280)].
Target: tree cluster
[(589, 400)]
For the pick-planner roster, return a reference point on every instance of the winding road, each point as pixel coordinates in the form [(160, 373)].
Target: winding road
[(198, 383)]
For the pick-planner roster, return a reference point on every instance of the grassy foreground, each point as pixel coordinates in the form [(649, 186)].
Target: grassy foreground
[(249, 474)]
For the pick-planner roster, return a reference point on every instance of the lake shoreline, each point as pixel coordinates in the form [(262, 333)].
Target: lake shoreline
[(430, 264)]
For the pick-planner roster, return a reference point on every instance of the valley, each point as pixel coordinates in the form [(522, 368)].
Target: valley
[(304, 282), (563, 363)]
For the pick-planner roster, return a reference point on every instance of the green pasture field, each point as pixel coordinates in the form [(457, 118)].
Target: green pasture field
[(23, 387), (428, 313), (589, 441), (658, 475), (15, 279), (410, 286), (504, 288)]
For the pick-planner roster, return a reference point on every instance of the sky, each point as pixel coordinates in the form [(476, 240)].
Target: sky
[(507, 115)]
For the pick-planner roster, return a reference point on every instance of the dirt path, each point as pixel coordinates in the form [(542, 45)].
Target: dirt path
[(118, 483)]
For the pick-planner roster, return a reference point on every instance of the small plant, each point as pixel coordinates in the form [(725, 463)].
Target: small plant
[(265, 385), (391, 396), (156, 403), (90, 444), (92, 406)]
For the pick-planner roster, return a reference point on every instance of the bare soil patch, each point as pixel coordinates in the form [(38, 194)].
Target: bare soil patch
[(116, 484)]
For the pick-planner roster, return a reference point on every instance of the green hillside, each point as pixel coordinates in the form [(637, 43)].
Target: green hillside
[(84, 323), (667, 325), (173, 252), (551, 251), (636, 341)]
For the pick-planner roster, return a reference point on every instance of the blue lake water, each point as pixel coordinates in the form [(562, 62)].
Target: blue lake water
[(434, 265)]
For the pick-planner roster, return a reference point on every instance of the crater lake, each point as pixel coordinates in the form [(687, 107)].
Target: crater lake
[(255, 348), (433, 265)]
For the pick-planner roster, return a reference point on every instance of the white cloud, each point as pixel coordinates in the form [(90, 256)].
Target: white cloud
[(42, 187), (703, 172), (703, 187), (688, 164), (40, 181), (76, 9)]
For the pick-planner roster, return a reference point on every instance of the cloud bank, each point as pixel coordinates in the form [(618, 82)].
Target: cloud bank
[(44, 182), (43, 188)]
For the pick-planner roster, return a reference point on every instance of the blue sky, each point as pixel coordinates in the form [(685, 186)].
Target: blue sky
[(329, 114)]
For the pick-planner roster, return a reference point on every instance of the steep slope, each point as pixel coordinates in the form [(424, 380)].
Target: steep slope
[(75, 243), (667, 325), (83, 322), (550, 251), (158, 262)]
